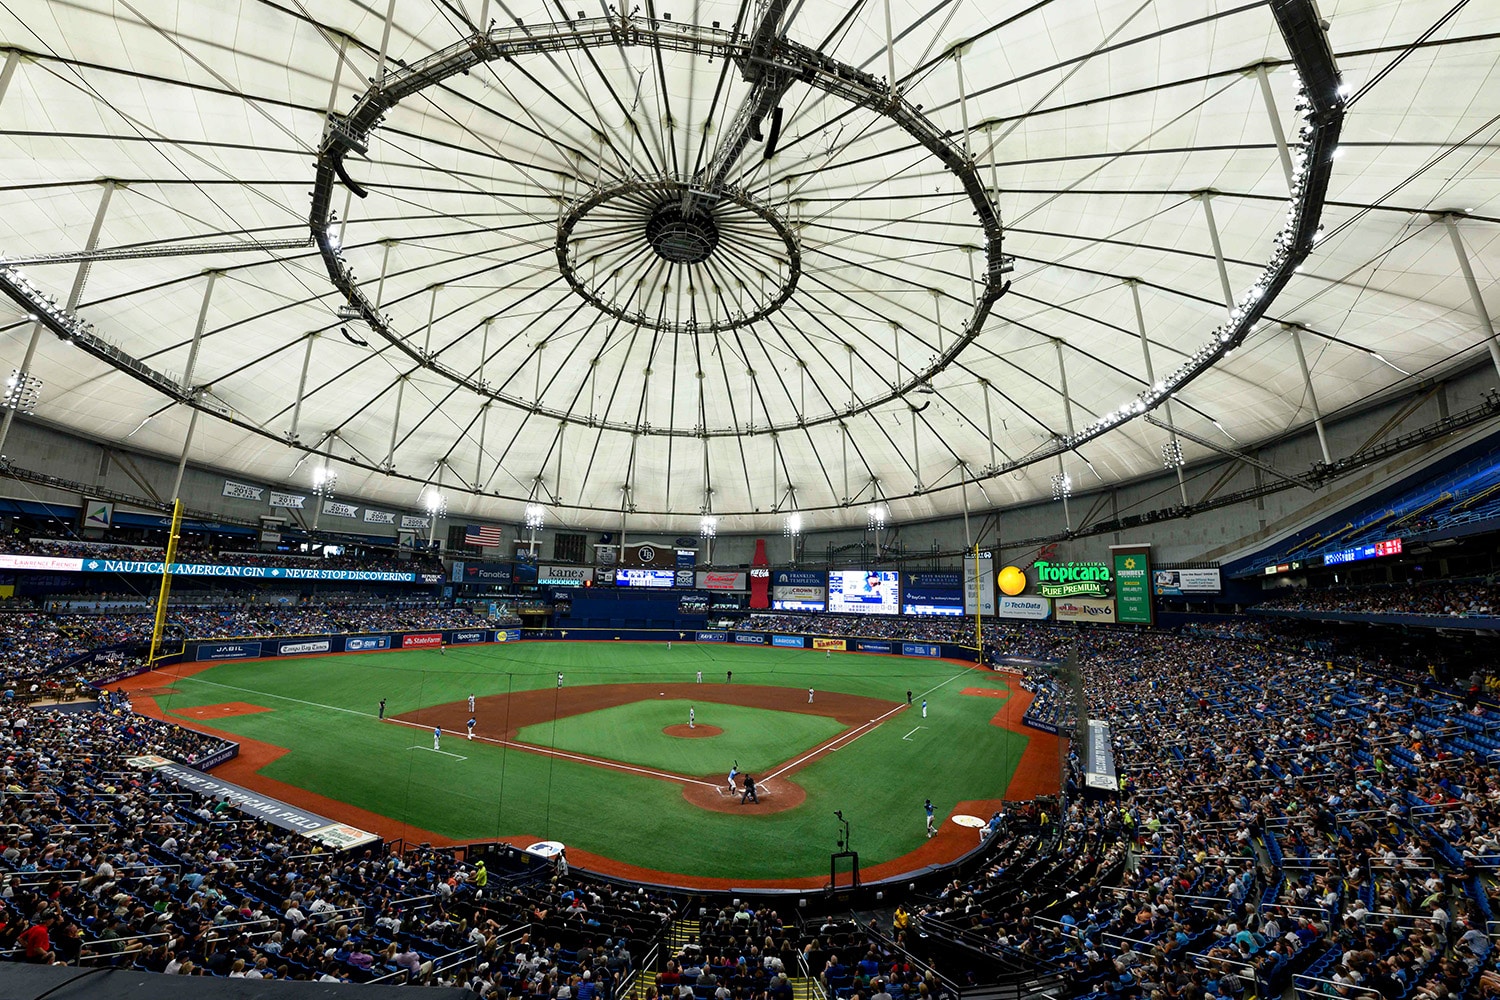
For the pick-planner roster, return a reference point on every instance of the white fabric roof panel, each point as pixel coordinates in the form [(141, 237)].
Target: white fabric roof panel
[(1099, 123)]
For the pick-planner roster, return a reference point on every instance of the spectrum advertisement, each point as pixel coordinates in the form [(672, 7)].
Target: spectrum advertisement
[(867, 592)]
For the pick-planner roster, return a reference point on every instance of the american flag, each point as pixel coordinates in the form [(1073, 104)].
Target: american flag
[(482, 536)]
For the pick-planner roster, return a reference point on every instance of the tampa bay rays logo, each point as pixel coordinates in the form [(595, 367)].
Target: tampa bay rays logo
[(647, 554)]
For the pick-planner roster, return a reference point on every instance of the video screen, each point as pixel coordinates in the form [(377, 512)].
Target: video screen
[(864, 592)]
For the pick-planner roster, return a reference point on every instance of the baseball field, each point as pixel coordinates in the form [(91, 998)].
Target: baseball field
[(590, 744)]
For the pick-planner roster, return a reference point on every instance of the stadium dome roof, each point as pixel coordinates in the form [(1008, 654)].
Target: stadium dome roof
[(670, 261)]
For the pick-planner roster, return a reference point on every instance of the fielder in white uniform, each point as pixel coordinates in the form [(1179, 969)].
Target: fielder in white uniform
[(437, 739), (809, 695), (700, 677), (471, 703), (692, 719)]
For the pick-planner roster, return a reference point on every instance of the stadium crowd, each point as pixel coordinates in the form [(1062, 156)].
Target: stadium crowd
[(1448, 599), (1282, 819)]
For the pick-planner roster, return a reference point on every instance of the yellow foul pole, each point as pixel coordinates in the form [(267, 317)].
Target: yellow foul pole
[(166, 581), (978, 607)]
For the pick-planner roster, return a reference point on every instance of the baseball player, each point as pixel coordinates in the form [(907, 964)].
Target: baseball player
[(559, 679), (471, 704), (470, 724), (734, 772), (827, 654), (924, 708), (931, 827), (437, 738), (749, 791), (700, 677), (669, 645), (443, 648), (692, 718), (809, 695), (382, 708)]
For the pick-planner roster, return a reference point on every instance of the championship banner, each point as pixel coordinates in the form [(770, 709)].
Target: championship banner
[(1132, 566), (335, 509), (837, 645), (411, 522), (289, 500), (97, 513), (240, 491), (1084, 609), (379, 517)]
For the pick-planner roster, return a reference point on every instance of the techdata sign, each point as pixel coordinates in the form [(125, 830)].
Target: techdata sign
[(1072, 579), (713, 637), (750, 638), (1132, 565), (467, 636), (1035, 608), (302, 647), (790, 641), (227, 651), (867, 646), (366, 643), (920, 649)]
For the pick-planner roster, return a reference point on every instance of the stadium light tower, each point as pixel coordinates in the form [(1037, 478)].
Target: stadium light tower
[(708, 529), (878, 514), (536, 516), (791, 528)]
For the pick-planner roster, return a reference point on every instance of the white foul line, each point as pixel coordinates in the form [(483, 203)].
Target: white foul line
[(436, 750), (551, 752), (908, 735)]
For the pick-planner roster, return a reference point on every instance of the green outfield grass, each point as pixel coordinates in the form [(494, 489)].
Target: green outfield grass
[(324, 711), (756, 738)]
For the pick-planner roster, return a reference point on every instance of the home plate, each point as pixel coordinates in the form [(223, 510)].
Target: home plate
[(970, 821)]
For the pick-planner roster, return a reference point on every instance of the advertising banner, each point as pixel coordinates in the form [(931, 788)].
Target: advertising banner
[(240, 491), (687, 558), (645, 577), (798, 578), (683, 579), (798, 598), (379, 517), (366, 643), (722, 580), (1036, 608), (1132, 565), (507, 635), (920, 649), (1176, 582), (560, 576), (290, 500), (422, 640), (303, 646), (932, 593), (467, 636), (131, 566), (869, 646), (1084, 609), (712, 636), (750, 638), (1071, 579), (335, 509), (220, 756), (837, 645), (227, 651), (979, 584), (97, 513), (790, 641), (484, 572), (53, 564)]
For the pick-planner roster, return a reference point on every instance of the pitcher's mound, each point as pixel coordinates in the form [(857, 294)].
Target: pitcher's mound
[(699, 732)]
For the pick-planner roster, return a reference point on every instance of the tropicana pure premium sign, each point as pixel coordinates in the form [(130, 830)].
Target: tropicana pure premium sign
[(1071, 579)]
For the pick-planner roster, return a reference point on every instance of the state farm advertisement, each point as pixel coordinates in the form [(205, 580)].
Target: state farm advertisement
[(421, 639)]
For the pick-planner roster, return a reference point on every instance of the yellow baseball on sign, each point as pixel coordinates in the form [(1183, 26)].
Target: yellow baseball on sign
[(1012, 581)]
